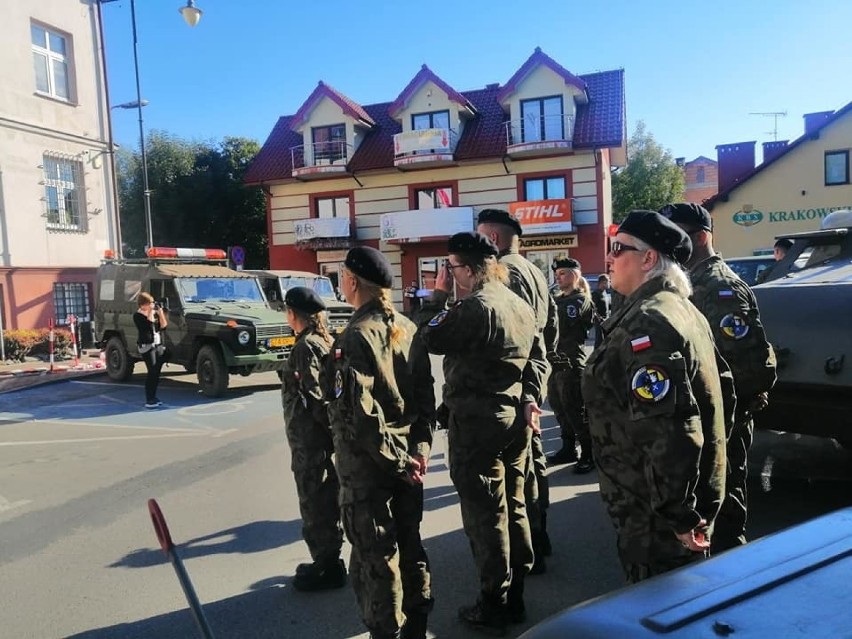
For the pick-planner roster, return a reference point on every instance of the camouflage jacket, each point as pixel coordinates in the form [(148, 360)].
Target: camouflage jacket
[(731, 309), (380, 415), (302, 397), (528, 282), (576, 316), (486, 342), (657, 409)]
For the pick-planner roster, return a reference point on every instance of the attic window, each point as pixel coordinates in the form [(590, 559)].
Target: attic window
[(432, 120), (542, 119)]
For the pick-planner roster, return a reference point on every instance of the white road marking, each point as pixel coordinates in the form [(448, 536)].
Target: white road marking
[(219, 408), (74, 422), (87, 440), (222, 433), (124, 384), (5, 504)]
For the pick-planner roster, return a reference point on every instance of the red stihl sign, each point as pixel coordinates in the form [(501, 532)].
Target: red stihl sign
[(543, 216)]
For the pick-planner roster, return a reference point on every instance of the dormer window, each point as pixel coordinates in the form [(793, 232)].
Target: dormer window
[(542, 119), (329, 143), (433, 120)]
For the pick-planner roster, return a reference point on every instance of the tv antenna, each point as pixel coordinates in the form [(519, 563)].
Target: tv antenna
[(774, 115)]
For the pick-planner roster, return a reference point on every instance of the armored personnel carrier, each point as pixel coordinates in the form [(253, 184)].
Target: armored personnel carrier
[(806, 308)]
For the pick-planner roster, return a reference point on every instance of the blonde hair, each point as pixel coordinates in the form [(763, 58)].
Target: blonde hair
[(383, 295), (144, 298), (485, 268), (317, 323), (583, 287)]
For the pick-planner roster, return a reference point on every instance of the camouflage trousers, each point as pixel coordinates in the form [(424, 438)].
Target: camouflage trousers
[(729, 531), (388, 567), (566, 399), (488, 463), (318, 491), (647, 545)]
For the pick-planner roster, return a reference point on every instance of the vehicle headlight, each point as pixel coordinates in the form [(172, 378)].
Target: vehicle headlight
[(243, 337)]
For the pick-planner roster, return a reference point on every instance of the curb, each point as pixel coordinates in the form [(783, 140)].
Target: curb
[(19, 379)]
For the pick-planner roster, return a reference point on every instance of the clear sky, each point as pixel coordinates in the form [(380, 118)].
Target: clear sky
[(694, 71)]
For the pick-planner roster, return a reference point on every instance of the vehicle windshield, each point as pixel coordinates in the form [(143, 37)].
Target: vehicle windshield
[(322, 285), (749, 271), (219, 289)]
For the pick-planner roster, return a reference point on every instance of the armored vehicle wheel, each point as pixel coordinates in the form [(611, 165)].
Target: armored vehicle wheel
[(118, 363), (212, 372)]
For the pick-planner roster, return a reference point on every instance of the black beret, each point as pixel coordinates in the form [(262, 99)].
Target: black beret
[(566, 262), (659, 233), (499, 216), (371, 264), (690, 215), (304, 299), (472, 242)]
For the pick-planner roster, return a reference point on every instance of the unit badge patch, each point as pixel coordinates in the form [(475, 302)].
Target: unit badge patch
[(734, 326), (650, 383), (572, 311), (440, 317), (338, 383)]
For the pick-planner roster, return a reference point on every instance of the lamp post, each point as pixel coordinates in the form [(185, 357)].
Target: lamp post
[(191, 14)]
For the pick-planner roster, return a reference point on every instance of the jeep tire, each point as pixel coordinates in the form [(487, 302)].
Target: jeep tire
[(212, 372), (119, 365)]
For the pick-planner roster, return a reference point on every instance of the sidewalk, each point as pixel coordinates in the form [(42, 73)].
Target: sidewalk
[(34, 372)]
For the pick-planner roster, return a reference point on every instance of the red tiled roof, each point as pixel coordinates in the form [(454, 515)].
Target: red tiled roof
[(538, 58), (600, 123), (809, 135), (323, 90), (424, 75)]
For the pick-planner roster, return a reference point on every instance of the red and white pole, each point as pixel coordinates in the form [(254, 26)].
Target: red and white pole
[(51, 338), (72, 322)]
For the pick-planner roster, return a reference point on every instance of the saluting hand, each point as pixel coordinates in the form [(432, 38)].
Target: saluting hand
[(444, 281)]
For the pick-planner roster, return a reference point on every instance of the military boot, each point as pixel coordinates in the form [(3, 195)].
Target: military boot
[(516, 610), (415, 626), (566, 455), (487, 615), (382, 635), (320, 576), (585, 464)]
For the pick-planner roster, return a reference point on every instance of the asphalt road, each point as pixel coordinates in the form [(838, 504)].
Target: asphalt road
[(78, 555)]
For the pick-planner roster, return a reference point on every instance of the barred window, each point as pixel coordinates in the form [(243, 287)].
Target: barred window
[(71, 298), (64, 193)]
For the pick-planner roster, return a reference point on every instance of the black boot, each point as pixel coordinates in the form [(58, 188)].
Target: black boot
[(381, 635), (415, 626), (585, 464), (487, 615), (320, 576), (546, 548), (566, 455), (515, 608)]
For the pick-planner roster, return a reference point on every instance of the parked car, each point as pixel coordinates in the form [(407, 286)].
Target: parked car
[(750, 269)]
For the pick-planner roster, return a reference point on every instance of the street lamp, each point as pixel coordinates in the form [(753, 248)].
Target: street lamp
[(192, 15)]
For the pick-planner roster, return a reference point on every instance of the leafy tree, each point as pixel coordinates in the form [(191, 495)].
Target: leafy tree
[(651, 178), (197, 196)]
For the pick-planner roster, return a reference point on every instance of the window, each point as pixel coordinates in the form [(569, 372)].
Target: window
[(337, 206), (438, 197), (71, 299), (699, 175), (836, 167), (434, 120), (541, 119), (50, 60), (547, 188), (63, 193), (329, 143)]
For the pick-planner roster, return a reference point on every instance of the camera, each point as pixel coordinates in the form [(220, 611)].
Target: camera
[(157, 306)]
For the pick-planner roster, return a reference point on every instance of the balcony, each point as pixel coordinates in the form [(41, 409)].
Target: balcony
[(542, 135), (426, 224), (320, 159), (424, 148), (320, 233)]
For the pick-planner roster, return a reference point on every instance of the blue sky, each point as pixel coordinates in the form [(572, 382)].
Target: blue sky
[(693, 71)]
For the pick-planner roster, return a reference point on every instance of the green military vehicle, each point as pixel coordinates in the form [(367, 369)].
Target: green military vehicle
[(219, 320)]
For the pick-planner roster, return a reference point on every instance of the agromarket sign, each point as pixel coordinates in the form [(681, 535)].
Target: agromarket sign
[(749, 216)]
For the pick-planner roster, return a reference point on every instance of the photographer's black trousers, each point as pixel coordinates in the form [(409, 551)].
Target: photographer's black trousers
[(153, 362)]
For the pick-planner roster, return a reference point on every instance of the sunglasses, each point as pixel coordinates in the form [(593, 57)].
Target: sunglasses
[(617, 248)]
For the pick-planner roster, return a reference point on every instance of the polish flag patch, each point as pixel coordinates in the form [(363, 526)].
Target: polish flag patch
[(338, 353), (726, 294), (640, 343)]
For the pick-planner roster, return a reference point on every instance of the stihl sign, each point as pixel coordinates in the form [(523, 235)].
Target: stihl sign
[(543, 216)]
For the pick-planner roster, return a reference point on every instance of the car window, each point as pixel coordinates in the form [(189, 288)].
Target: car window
[(323, 287), (749, 270)]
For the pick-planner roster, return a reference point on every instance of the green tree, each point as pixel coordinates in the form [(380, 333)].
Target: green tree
[(197, 196), (651, 178)]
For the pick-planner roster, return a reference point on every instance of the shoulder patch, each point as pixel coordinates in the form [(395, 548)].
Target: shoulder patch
[(650, 383), (734, 326), (338, 383), (726, 294), (338, 353), (440, 317), (641, 343), (571, 310)]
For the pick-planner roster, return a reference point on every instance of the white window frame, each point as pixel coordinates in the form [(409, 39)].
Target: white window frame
[(52, 59), (69, 294), (63, 175)]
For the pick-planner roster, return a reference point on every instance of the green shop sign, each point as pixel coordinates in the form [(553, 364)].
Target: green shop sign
[(750, 216)]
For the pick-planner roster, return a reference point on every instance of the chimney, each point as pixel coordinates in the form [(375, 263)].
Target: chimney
[(773, 149), (813, 121), (735, 160), (681, 162)]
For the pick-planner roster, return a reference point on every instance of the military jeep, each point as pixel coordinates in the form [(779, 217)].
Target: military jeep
[(219, 320)]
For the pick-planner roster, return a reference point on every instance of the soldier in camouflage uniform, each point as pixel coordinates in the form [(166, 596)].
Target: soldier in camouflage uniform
[(576, 316), (528, 282), (486, 341), (656, 404), (731, 309), (382, 423), (311, 447)]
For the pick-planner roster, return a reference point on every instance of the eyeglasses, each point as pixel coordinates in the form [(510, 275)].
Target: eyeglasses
[(453, 266), (617, 248)]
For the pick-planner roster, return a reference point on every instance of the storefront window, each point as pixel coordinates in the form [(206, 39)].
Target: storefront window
[(544, 260)]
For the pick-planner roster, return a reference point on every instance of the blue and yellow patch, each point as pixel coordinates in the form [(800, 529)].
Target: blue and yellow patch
[(650, 383), (338, 383), (571, 310), (440, 317), (734, 326)]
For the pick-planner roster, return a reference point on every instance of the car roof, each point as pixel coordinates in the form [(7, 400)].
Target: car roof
[(285, 273), (751, 258)]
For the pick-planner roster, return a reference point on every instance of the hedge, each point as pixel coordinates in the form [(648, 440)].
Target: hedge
[(20, 344)]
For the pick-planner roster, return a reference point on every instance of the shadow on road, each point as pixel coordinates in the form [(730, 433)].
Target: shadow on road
[(256, 536)]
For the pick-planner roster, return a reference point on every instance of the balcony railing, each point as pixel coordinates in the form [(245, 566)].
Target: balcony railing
[(438, 141), (317, 228), (549, 131), (307, 157)]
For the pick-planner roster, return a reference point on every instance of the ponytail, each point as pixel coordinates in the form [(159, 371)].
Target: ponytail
[(383, 295), (317, 323)]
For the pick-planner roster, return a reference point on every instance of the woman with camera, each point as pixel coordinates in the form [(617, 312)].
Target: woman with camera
[(150, 320)]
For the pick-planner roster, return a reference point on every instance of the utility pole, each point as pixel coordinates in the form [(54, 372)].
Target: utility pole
[(774, 115)]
